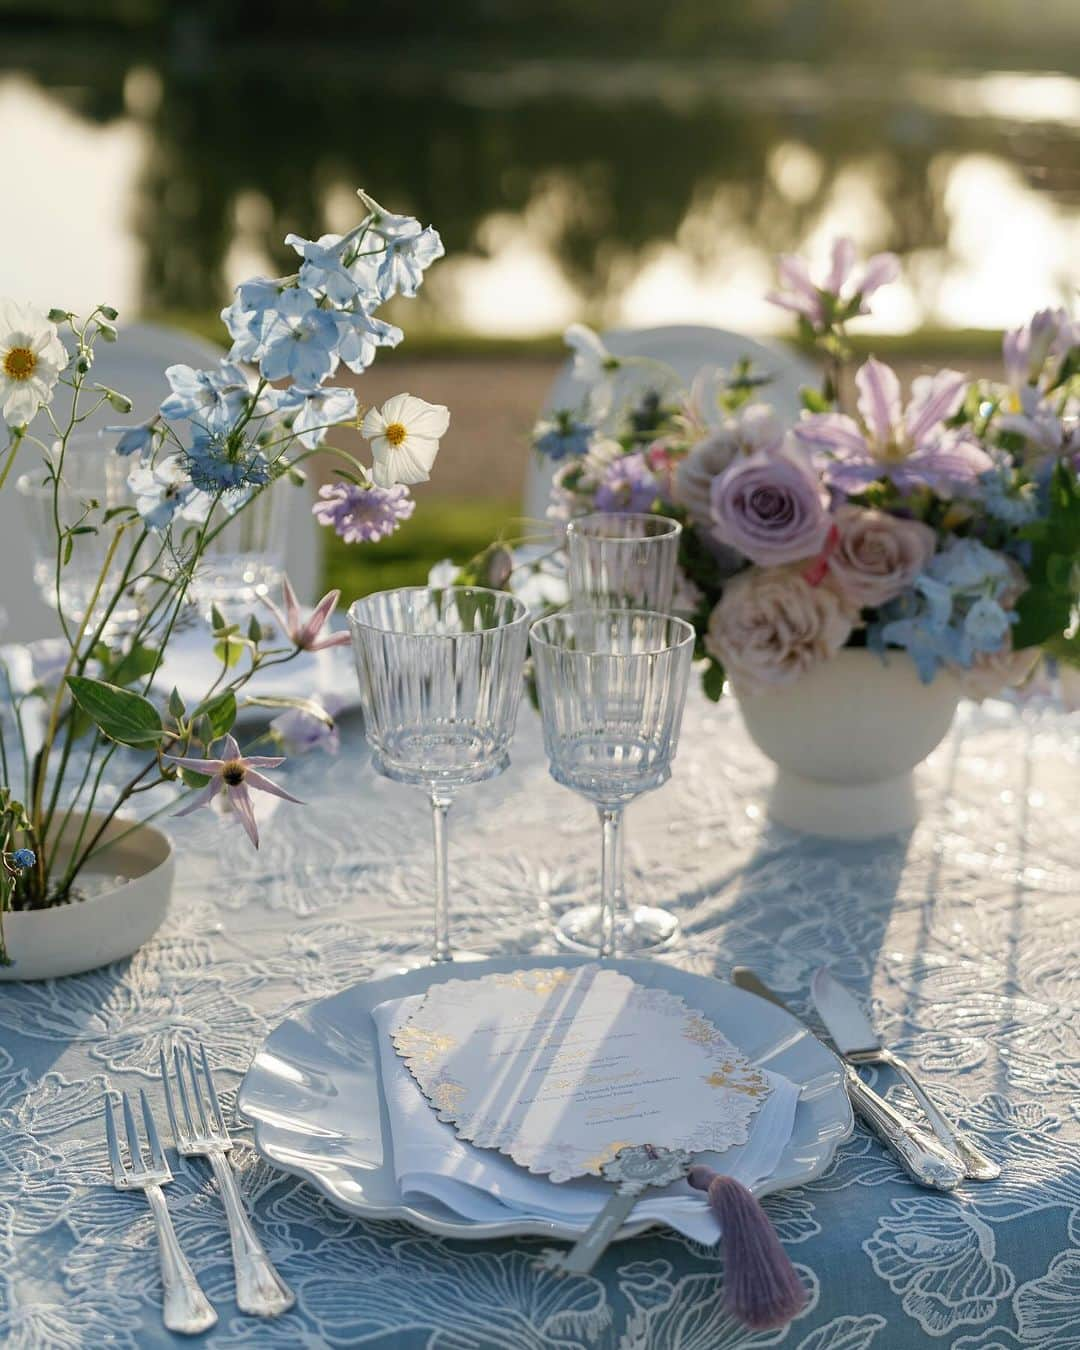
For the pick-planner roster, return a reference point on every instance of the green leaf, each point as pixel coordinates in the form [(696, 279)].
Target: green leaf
[(69, 544), (192, 779), (712, 681), (119, 714), (230, 650), (133, 665), (176, 703), (813, 400), (220, 714), (217, 619), (1059, 572)]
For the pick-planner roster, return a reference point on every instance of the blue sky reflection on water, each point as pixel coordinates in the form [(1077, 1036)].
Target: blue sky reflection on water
[(995, 154)]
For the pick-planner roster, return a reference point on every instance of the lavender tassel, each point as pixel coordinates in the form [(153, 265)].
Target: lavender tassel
[(761, 1286)]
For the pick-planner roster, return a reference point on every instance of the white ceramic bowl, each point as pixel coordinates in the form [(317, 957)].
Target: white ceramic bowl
[(45, 944), (845, 739)]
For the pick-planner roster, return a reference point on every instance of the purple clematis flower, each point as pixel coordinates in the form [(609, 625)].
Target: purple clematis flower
[(305, 632), (802, 295), (233, 774), (910, 446)]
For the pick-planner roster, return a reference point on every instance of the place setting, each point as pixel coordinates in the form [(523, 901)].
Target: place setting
[(282, 1064)]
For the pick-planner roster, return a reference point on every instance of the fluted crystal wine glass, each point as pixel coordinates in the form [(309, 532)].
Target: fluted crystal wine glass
[(440, 675), (612, 686), (622, 561)]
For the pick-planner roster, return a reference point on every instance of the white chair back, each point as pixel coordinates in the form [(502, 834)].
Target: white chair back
[(136, 366), (685, 348)]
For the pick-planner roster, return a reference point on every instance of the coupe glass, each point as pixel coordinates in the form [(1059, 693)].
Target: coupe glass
[(612, 685), (622, 561), (440, 680)]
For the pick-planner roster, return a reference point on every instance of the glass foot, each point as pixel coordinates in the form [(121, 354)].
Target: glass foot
[(640, 929)]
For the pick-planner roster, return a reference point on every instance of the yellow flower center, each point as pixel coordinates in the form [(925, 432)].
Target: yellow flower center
[(19, 363), (233, 772), (395, 433)]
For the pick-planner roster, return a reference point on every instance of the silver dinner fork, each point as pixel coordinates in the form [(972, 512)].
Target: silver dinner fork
[(199, 1130), (186, 1308)]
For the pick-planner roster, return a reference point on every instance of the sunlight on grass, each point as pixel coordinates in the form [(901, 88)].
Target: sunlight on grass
[(439, 529)]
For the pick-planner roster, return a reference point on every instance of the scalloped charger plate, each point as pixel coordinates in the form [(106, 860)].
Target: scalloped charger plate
[(314, 1095)]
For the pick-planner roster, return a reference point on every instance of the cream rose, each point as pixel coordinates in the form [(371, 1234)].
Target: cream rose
[(877, 556), (992, 672), (771, 626)]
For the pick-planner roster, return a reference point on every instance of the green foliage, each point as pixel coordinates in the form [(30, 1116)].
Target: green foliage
[(712, 680), (119, 714), (220, 715), (1045, 609)]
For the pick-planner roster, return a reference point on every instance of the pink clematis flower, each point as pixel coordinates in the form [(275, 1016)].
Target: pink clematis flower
[(234, 774), (910, 446), (305, 632), (802, 295)]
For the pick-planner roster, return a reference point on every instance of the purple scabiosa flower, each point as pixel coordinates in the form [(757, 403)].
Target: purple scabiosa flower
[(362, 514), (910, 446), (233, 774), (628, 486)]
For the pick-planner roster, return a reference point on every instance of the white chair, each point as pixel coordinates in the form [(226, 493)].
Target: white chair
[(136, 366), (685, 348)]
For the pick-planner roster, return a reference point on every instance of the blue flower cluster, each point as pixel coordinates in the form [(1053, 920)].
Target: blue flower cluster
[(297, 329), (954, 611)]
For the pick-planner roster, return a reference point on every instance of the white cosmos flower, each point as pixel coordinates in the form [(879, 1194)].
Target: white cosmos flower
[(31, 360), (404, 435)]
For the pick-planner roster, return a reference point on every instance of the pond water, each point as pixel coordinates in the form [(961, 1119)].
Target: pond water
[(635, 192)]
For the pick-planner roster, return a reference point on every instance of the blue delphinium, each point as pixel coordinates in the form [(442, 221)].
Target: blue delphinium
[(141, 439), (953, 612), (1006, 496), (316, 410), (215, 398), (562, 436)]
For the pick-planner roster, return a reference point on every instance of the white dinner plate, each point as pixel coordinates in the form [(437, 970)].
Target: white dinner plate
[(314, 1095)]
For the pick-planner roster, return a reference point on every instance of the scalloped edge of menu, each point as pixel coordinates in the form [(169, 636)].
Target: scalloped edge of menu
[(424, 1044)]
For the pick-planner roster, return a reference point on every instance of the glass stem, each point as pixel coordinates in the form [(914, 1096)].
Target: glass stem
[(440, 806), (610, 876)]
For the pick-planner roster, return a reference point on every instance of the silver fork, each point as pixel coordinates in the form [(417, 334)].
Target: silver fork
[(186, 1308), (199, 1130)]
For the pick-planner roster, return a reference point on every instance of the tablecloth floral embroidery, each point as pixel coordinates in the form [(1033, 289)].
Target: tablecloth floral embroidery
[(964, 936)]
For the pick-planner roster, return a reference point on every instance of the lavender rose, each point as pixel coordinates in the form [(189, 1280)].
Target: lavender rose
[(771, 508), (877, 555), (771, 626), (756, 428)]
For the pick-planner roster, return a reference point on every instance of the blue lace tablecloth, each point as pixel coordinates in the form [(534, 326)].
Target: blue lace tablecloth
[(963, 936)]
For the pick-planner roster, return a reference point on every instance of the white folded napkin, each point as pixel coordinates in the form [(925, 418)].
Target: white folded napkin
[(484, 1185)]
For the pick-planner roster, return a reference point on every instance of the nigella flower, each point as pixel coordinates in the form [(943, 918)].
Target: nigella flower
[(628, 486), (304, 633), (910, 446), (843, 292), (562, 436), (217, 463), (214, 398), (19, 861), (362, 514), (32, 358), (233, 774)]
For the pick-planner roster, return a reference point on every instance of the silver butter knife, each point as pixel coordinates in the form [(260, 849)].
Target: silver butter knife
[(923, 1157), (859, 1043)]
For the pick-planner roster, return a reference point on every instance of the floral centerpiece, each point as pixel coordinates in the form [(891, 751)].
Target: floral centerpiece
[(944, 522), (86, 733)]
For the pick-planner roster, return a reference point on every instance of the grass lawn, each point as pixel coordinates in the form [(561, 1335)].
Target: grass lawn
[(440, 529)]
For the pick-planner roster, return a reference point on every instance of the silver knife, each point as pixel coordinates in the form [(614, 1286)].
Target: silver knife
[(859, 1043), (921, 1155)]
